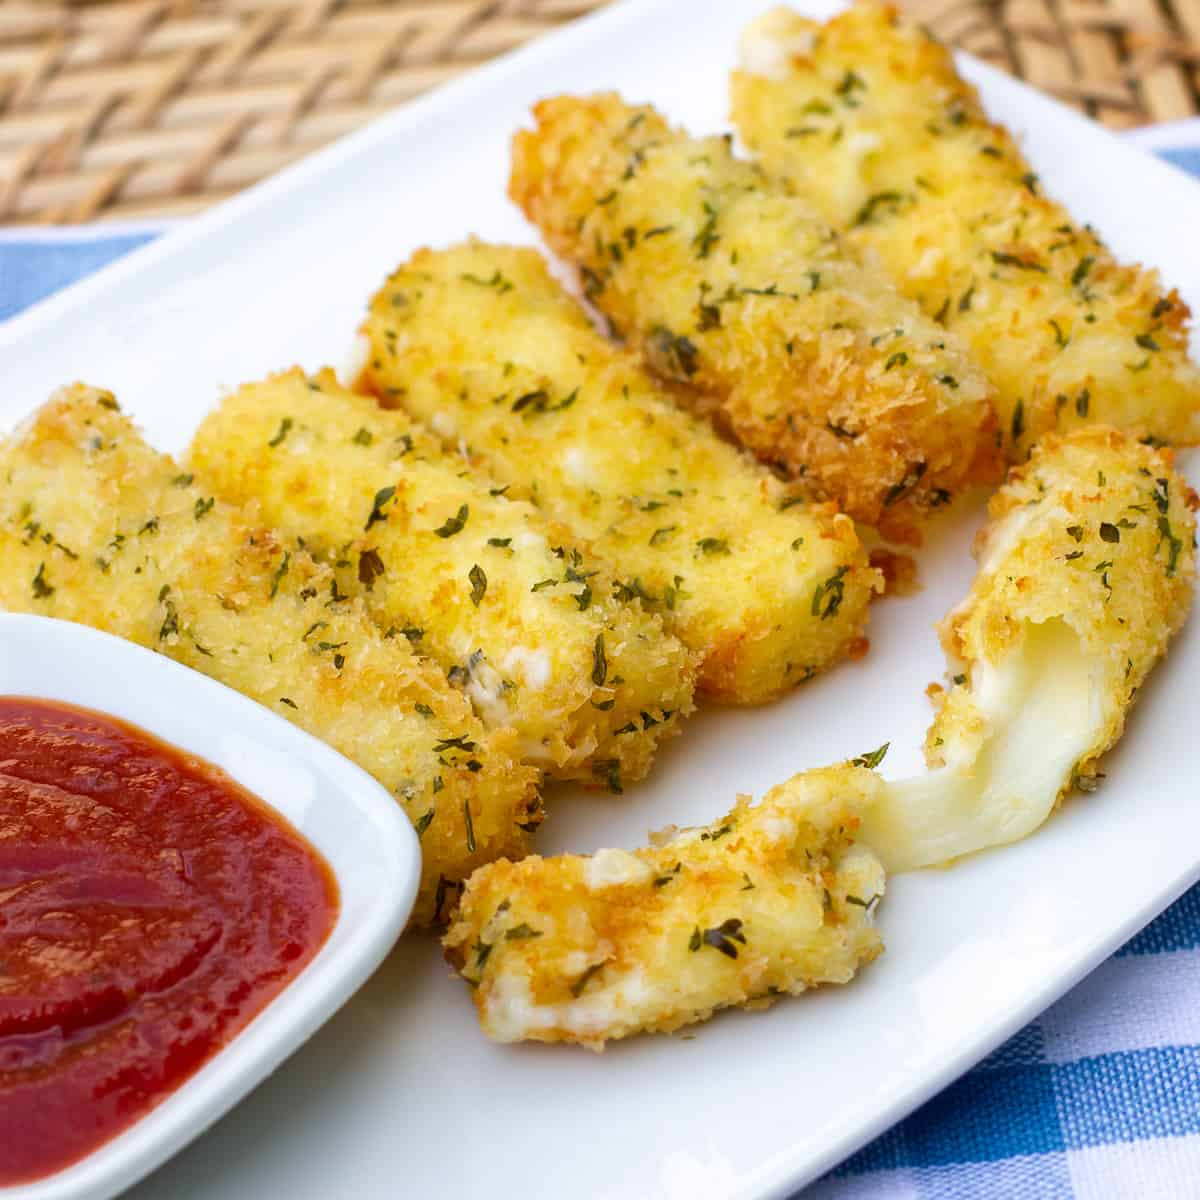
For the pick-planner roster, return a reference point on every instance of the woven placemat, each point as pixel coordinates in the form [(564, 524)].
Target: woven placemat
[(135, 108)]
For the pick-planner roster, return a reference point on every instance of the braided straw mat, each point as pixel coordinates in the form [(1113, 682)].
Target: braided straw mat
[(135, 108)]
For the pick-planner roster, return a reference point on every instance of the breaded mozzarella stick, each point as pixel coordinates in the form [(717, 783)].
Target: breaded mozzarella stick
[(1087, 569), (725, 281), (483, 345), (97, 527), (868, 119), (491, 589), (771, 900)]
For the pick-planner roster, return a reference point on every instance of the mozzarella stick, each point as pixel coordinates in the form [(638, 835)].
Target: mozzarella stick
[(483, 345), (726, 282), (771, 900), (867, 118), (499, 595), (1087, 569), (98, 528)]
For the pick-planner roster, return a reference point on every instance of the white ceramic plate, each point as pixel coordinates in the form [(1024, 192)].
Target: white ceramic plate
[(401, 1094), (352, 821)]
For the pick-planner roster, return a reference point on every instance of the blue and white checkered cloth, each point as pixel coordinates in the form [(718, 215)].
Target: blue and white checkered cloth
[(1098, 1099)]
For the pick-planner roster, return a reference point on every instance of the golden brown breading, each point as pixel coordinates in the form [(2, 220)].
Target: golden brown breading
[(1087, 569), (867, 118), (1095, 531), (97, 527), (726, 282), (484, 345), (497, 593), (771, 900)]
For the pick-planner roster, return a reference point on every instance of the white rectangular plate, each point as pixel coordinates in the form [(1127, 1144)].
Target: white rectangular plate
[(400, 1094)]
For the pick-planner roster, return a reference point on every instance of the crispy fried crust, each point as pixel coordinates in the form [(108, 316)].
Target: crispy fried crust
[(1095, 531), (726, 282), (769, 901), (498, 594), (97, 527), (481, 343), (867, 118)]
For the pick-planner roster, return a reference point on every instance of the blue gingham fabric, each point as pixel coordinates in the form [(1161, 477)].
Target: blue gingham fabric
[(1098, 1099)]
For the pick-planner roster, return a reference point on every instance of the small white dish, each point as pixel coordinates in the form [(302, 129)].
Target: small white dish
[(343, 813)]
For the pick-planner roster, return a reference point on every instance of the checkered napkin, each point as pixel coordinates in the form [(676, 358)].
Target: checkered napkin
[(1098, 1099)]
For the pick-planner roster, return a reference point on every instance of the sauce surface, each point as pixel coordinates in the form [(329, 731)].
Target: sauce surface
[(149, 908)]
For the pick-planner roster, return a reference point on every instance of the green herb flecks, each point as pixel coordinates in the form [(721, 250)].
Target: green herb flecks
[(280, 572), (677, 355), (382, 497), (724, 937), (707, 237), (370, 568), (470, 824), (496, 280), (583, 980), (898, 490), (41, 587), (871, 759), (828, 595), (879, 200), (170, 624), (1174, 544), (285, 427), (521, 933), (599, 661), (478, 584)]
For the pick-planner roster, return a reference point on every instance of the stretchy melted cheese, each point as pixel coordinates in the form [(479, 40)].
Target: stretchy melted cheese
[(483, 345), (725, 281), (1087, 569), (867, 118), (494, 591), (97, 527)]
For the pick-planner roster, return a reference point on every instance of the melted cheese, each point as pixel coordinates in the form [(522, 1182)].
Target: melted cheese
[(1041, 713)]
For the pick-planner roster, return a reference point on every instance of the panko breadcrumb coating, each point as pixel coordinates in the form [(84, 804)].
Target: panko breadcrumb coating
[(98, 528), (499, 595), (482, 344), (868, 119), (771, 900), (1087, 568), (725, 281)]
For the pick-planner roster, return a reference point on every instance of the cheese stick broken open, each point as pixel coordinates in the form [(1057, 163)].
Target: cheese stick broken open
[(498, 594), (1087, 569), (486, 347), (97, 527), (868, 119), (728, 283), (770, 900)]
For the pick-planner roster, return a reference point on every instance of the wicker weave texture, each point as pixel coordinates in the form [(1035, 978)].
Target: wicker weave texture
[(130, 108), (1125, 62)]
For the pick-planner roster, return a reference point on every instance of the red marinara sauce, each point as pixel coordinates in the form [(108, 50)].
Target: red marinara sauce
[(149, 908)]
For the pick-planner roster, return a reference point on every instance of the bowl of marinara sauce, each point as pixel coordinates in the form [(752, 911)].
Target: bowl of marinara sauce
[(155, 912)]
